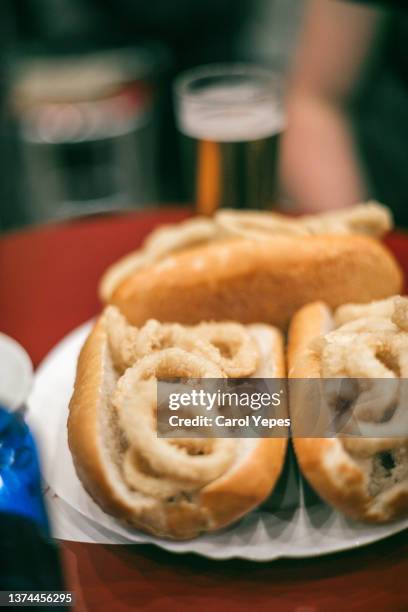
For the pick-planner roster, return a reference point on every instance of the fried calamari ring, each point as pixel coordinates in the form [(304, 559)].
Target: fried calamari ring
[(371, 346), (257, 225), (175, 363), (175, 237), (190, 340), (237, 353), (400, 314), (370, 219), (135, 401), (136, 470), (229, 345), (379, 309), (391, 310), (355, 355), (156, 486), (122, 338), (128, 344), (367, 447)]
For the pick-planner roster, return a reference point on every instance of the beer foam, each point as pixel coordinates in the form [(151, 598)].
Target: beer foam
[(230, 114)]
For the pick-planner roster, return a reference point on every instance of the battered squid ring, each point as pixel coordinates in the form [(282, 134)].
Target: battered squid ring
[(137, 417), (172, 363), (367, 447), (371, 330), (129, 344), (242, 354), (159, 486), (380, 309), (371, 219), (400, 314), (353, 348), (390, 311), (355, 355), (121, 338), (375, 398), (257, 225), (170, 238), (368, 325), (155, 486), (190, 340)]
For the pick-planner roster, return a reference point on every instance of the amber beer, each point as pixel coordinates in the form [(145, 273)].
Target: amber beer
[(230, 123)]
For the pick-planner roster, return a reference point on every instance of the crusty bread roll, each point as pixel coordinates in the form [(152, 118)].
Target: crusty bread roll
[(364, 477), (369, 219), (268, 280), (99, 443)]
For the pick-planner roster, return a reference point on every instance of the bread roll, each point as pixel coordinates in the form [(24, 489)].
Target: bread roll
[(249, 281), (364, 477), (370, 219), (98, 445)]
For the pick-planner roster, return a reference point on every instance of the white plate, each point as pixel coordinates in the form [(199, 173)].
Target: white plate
[(292, 523), (16, 373)]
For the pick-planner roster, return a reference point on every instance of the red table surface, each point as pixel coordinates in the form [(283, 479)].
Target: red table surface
[(48, 280)]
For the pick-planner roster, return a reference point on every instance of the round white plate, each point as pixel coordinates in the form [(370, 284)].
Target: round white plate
[(292, 523), (16, 373)]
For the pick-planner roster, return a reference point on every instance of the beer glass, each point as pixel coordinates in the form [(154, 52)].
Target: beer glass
[(230, 117)]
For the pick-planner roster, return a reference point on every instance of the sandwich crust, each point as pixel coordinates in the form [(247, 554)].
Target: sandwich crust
[(269, 280)]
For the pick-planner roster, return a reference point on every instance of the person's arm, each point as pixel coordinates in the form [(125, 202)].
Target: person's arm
[(319, 167)]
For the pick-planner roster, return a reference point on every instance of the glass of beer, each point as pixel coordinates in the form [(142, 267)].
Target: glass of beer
[(230, 117)]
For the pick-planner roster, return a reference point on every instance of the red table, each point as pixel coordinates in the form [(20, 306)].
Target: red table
[(48, 280)]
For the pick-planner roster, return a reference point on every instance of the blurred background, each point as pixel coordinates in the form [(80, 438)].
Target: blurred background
[(86, 100), (86, 111)]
